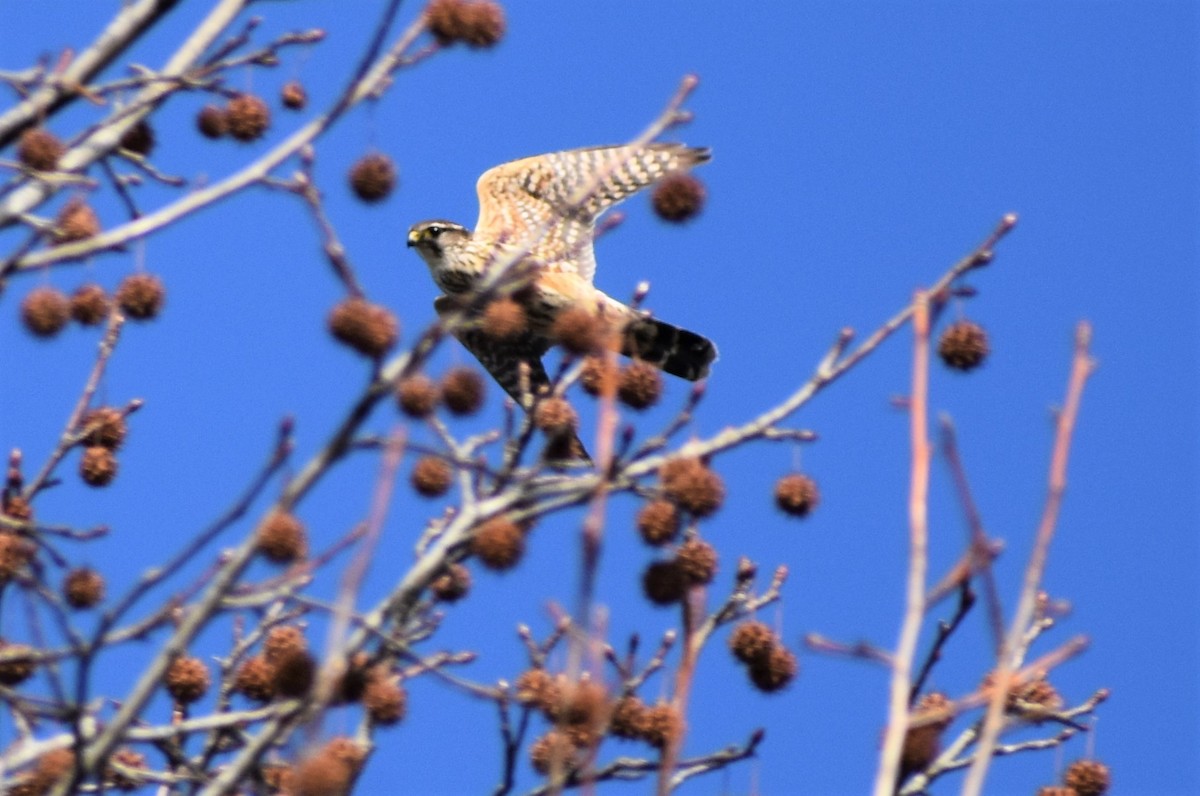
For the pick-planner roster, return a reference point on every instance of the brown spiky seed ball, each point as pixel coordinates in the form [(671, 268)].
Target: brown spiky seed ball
[(477, 24), (484, 24), (498, 544), (141, 296), (279, 778), (628, 718), (247, 117), (15, 552), (678, 198), (452, 585), (372, 177), (432, 476), (583, 702), (211, 122), (553, 751), (1041, 691), (354, 679), (283, 640), (293, 95), (83, 588), (324, 773), (599, 376), (555, 417), (583, 737), (775, 671), (692, 486), (294, 674), (1015, 687), (938, 704), (663, 583), (255, 678), (187, 679), (1088, 777), (386, 702), (75, 221), (139, 139), (658, 522), (639, 385), (462, 391), (16, 507), (796, 494), (347, 751), (98, 467), (752, 641), (40, 149), (988, 684), (106, 427), (663, 724), (1037, 690), (963, 346), (1056, 790), (50, 768), (697, 560), (579, 331), (282, 538), (417, 396), (45, 311), (121, 762), (503, 319), (370, 329), (125, 760), (921, 746), (90, 305), (20, 664), (539, 688)]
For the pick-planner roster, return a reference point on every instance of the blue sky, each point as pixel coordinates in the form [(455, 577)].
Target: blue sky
[(859, 149)]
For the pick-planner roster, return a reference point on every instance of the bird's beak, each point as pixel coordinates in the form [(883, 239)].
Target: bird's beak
[(413, 237)]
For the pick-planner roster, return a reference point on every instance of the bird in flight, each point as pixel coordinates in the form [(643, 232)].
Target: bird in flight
[(542, 212)]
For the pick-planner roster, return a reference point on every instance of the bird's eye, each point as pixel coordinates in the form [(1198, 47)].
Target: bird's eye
[(433, 230)]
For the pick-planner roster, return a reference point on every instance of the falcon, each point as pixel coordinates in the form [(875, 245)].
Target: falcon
[(540, 213)]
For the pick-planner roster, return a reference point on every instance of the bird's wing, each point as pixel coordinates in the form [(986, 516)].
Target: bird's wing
[(550, 203), (502, 357)]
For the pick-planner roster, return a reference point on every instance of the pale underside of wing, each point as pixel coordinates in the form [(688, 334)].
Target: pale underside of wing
[(549, 204)]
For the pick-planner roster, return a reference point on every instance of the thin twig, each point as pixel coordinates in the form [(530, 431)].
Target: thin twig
[(918, 555), (252, 174), (107, 137), (108, 344), (1014, 649), (129, 23), (977, 536), (966, 599)]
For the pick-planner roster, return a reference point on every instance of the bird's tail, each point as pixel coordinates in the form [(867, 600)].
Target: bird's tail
[(671, 349), (566, 449)]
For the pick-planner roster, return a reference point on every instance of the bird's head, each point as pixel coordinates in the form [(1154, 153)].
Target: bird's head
[(432, 238)]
